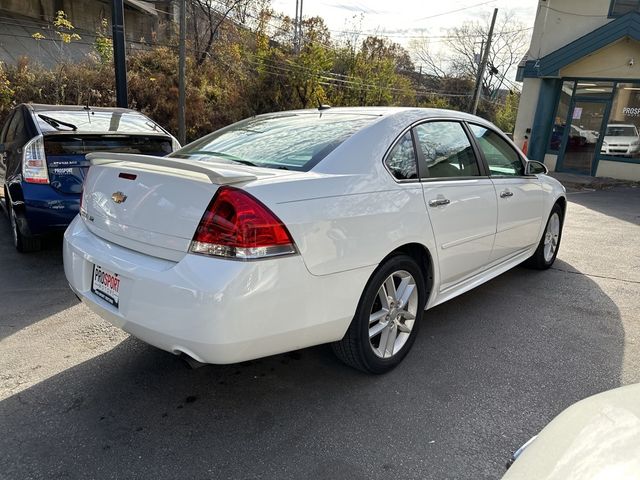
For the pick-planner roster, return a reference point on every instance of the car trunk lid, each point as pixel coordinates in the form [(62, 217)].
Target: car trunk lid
[(154, 204), (66, 154)]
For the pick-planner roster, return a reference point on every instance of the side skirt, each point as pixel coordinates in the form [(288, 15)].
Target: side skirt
[(481, 277)]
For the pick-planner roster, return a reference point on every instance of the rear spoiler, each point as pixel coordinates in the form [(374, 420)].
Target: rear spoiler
[(216, 174)]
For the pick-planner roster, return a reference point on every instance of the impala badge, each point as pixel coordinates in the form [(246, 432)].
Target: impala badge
[(118, 197)]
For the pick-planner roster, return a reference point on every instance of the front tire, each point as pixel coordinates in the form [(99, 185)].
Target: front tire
[(387, 318), (547, 250), (22, 242)]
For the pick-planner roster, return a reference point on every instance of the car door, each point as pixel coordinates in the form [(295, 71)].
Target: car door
[(459, 197), (520, 196)]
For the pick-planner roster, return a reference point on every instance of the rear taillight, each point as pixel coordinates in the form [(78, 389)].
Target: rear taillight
[(34, 161), (83, 207), (236, 225)]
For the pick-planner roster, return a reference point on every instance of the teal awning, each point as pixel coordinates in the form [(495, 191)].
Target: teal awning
[(627, 26)]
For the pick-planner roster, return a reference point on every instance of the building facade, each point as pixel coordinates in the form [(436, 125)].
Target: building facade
[(580, 105)]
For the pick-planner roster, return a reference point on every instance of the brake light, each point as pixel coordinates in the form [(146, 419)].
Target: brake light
[(237, 225), (34, 161)]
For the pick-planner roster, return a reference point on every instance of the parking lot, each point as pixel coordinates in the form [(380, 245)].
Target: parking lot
[(81, 399)]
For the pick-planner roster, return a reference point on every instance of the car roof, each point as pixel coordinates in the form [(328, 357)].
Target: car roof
[(406, 112), (43, 107)]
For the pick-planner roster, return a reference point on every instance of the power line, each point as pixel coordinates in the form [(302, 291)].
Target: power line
[(454, 11)]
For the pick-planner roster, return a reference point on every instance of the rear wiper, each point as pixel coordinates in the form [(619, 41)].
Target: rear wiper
[(57, 123), (226, 156)]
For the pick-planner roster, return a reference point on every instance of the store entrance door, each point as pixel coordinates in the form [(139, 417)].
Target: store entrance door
[(582, 137)]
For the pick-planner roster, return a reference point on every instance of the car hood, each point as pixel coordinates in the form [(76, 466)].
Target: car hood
[(625, 140), (596, 438)]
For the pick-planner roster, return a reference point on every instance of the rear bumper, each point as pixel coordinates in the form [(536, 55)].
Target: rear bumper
[(45, 209), (215, 310)]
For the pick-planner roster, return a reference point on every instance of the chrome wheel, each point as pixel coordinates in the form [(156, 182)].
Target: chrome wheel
[(393, 314), (551, 237)]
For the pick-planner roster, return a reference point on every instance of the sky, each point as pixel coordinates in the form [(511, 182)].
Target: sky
[(402, 20)]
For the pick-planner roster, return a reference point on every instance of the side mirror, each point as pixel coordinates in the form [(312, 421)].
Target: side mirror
[(535, 168)]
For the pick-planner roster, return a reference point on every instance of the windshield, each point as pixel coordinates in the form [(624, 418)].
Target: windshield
[(292, 142), (93, 121), (621, 131)]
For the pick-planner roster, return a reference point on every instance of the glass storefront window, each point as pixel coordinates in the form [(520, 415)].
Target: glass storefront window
[(561, 116), (622, 137), (587, 88)]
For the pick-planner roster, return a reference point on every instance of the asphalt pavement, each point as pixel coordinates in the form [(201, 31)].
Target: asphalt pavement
[(79, 399)]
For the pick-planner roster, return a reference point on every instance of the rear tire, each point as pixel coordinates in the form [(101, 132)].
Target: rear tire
[(547, 250), (23, 243), (387, 318)]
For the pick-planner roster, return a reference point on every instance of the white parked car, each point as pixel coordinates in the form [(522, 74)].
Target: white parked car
[(300, 228), (621, 139), (596, 438)]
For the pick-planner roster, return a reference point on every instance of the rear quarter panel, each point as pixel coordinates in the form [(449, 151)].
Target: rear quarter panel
[(349, 212)]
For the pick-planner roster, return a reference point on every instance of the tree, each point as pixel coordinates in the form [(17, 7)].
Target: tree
[(207, 18), (506, 114), (463, 44)]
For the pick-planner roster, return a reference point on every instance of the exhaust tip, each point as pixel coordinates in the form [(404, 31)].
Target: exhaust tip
[(190, 361)]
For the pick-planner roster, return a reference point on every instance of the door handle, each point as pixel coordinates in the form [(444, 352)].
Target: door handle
[(439, 202), (506, 194)]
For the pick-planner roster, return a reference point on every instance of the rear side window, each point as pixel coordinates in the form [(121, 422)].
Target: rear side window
[(501, 158), (446, 150), (291, 142), (401, 161)]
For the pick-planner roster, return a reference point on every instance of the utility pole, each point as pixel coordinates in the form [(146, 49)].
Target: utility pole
[(295, 27), (182, 131), (119, 53), (298, 25), (483, 65)]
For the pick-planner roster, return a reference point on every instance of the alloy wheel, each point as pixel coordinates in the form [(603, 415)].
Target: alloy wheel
[(551, 237), (393, 314)]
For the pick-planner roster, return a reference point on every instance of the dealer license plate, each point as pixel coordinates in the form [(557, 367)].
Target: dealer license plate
[(106, 285)]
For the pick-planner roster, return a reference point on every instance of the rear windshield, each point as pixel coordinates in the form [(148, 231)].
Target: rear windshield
[(72, 145), (621, 131), (292, 142), (93, 121)]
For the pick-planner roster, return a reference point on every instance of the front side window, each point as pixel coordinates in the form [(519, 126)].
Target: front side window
[(620, 7), (401, 161), (501, 158), (285, 141), (622, 133), (446, 150)]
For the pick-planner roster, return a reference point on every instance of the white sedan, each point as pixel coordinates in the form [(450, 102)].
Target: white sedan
[(300, 228)]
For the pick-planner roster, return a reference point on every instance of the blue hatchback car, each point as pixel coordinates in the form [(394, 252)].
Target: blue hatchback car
[(43, 164)]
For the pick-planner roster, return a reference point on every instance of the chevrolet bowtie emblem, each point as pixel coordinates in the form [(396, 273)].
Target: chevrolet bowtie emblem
[(118, 197)]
